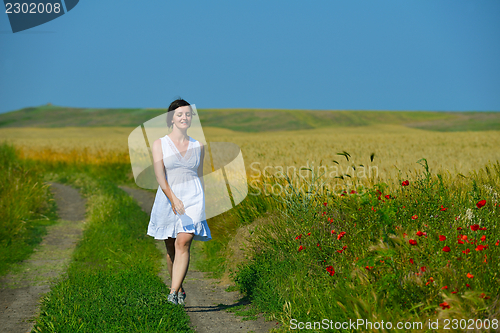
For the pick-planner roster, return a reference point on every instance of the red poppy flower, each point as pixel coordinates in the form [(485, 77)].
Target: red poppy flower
[(466, 251), (405, 183), (446, 249), (483, 238), (412, 242), (353, 192), (341, 235), (317, 244), (324, 204), (467, 285), (482, 228), (324, 213), (480, 248), (470, 276), (299, 236), (497, 243), (464, 237), (333, 231), (414, 217), (388, 196), (330, 270), (443, 208), (301, 248), (481, 203), (340, 251), (444, 305), (474, 227), (460, 242), (411, 261), (423, 268), (454, 292), (404, 234), (442, 238), (459, 228), (420, 233), (368, 268), (483, 295), (308, 234), (445, 287)]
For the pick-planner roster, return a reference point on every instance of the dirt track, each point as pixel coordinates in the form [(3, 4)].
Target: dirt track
[(22, 288), (204, 294)]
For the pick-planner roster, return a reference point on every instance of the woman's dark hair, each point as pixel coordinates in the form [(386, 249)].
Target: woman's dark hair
[(173, 106)]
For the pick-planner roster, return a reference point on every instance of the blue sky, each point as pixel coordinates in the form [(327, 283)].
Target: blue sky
[(324, 55)]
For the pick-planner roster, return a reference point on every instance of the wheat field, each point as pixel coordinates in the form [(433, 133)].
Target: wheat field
[(396, 148)]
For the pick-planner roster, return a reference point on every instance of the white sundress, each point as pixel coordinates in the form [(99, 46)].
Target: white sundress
[(182, 177)]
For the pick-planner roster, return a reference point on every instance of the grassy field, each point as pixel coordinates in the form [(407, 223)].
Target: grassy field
[(309, 254)]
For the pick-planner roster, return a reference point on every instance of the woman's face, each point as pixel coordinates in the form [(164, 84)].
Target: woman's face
[(182, 117)]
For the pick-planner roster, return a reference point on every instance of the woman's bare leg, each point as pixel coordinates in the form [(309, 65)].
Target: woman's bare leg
[(170, 245), (181, 261)]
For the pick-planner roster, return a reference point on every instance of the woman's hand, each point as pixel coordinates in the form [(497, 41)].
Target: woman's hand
[(178, 206)]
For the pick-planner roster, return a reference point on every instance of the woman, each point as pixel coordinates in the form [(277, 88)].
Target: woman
[(178, 213)]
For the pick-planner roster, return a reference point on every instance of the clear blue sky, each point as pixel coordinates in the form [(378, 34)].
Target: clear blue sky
[(373, 55)]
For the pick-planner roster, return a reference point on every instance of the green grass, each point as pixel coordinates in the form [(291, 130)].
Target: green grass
[(111, 284), (253, 120), (25, 208)]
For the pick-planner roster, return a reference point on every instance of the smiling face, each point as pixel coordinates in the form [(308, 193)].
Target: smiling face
[(182, 117)]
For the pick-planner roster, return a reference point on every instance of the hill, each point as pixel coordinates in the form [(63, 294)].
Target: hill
[(253, 120)]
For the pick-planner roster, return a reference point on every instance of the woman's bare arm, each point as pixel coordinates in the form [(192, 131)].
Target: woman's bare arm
[(160, 176)]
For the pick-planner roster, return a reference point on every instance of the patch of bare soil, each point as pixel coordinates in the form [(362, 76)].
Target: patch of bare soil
[(206, 298), (22, 288)]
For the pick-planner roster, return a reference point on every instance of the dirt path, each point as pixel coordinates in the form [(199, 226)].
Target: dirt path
[(22, 288), (204, 294)]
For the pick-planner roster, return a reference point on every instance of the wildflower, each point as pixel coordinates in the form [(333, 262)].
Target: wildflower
[(459, 228), (474, 227), (470, 276), (317, 245), (444, 305), (464, 237), (443, 209), (483, 295), (445, 287), (412, 242), (308, 234), (388, 196), (414, 217), (333, 231), (324, 204), (339, 236), (446, 249), (460, 242), (497, 243), (369, 267), (420, 233), (405, 183), (442, 238), (483, 238), (480, 248), (454, 292), (466, 251), (431, 279), (330, 270), (467, 285), (324, 213), (404, 234), (298, 237), (411, 261), (301, 248), (423, 268), (482, 228), (353, 192), (481, 203)]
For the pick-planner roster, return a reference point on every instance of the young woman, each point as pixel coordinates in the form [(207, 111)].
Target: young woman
[(178, 213)]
